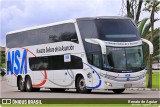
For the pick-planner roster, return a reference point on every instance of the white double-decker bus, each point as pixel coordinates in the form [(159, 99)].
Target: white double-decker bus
[(82, 54)]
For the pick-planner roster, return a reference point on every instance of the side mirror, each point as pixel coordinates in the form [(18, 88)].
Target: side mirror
[(150, 45)]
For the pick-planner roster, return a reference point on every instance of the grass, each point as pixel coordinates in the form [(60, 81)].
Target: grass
[(155, 80)]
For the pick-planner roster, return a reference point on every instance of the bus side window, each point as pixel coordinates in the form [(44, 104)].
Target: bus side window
[(54, 63), (8, 65), (76, 62), (94, 59), (90, 58)]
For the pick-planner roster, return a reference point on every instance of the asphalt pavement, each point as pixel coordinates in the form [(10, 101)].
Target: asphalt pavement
[(12, 92)]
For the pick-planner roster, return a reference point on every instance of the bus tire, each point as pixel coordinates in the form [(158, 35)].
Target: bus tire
[(21, 85), (28, 84), (118, 91), (81, 86)]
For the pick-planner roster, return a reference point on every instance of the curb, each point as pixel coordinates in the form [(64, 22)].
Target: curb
[(143, 89)]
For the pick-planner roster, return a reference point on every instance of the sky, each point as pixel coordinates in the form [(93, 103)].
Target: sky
[(19, 14)]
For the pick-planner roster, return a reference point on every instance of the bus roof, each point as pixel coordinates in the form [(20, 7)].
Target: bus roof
[(103, 17), (67, 21), (41, 26)]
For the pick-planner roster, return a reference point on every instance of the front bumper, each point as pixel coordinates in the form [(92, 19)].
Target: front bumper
[(111, 84)]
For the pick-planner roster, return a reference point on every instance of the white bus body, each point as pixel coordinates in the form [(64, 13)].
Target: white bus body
[(77, 54)]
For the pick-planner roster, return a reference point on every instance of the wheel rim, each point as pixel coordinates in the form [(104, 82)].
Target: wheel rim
[(82, 84)]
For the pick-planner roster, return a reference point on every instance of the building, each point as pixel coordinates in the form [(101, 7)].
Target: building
[(2, 49), (156, 66)]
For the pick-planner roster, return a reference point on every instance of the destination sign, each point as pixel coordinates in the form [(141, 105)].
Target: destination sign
[(123, 44)]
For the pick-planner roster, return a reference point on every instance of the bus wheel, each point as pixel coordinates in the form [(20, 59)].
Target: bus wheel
[(21, 85), (28, 84), (118, 91), (81, 85), (57, 89)]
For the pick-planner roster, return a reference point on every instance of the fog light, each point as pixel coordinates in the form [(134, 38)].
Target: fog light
[(107, 83)]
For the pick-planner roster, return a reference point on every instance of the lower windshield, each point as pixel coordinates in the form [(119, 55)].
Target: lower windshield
[(123, 58)]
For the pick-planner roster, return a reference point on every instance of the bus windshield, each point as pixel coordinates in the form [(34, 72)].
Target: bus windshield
[(118, 30), (123, 58)]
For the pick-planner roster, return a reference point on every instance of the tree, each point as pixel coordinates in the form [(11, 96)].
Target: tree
[(133, 8), (151, 6), (144, 31), (2, 59)]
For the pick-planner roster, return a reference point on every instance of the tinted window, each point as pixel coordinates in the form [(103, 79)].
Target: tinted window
[(54, 63), (87, 29), (57, 33), (123, 59), (95, 59), (119, 30), (76, 63), (64, 32)]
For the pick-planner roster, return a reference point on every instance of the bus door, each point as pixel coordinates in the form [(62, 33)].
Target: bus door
[(95, 64), (69, 76)]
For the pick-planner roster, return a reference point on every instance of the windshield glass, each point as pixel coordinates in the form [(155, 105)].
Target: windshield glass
[(123, 58), (118, 30)]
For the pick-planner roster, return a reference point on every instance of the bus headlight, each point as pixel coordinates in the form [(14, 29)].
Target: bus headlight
[(142, 76), (108, 83)]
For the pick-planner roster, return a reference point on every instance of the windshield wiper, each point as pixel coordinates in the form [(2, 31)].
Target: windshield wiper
[(137, 68)]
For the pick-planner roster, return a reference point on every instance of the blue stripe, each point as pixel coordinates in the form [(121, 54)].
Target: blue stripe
[(100, 81)]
